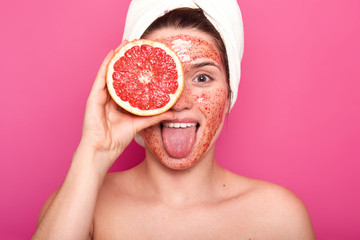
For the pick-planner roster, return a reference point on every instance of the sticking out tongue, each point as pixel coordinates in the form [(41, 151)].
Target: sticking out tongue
[(178, 141)]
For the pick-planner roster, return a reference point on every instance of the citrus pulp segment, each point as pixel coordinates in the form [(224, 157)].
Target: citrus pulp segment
[(145, 77)]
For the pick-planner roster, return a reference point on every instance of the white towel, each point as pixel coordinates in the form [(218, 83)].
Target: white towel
[(225, 15)]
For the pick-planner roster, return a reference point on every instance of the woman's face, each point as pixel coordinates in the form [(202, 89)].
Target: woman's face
[(201, 108)]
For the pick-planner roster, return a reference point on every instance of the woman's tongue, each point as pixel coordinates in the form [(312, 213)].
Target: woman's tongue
[(179, 141)]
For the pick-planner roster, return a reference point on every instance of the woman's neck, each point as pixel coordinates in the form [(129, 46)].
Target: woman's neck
[(181, 188)]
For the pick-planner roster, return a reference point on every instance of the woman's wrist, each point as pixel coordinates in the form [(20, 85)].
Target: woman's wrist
[(92, 160)]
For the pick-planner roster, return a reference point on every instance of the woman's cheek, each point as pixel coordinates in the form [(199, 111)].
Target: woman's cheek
[(212, 105)]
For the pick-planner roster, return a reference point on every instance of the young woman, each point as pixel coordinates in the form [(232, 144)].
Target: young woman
[(178, 191)]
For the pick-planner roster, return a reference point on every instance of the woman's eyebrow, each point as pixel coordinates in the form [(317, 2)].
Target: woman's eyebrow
[(203, 64)]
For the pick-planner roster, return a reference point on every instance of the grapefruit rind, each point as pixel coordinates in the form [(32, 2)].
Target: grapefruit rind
[(126, 105)]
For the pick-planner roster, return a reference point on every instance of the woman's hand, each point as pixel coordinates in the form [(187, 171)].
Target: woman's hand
[(107, 128)]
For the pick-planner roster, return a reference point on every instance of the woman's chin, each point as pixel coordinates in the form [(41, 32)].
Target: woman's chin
[(178, 163)]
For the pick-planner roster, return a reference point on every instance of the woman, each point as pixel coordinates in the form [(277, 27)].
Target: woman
[(178, 191)]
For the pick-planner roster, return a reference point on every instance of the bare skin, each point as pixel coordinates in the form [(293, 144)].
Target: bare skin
[(161, 198), (233, 207)]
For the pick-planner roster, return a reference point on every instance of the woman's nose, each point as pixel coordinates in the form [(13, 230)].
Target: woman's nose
[(184, 101)]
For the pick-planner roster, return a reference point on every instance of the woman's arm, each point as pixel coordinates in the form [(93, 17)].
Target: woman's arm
[(68, 212), (107, 131)]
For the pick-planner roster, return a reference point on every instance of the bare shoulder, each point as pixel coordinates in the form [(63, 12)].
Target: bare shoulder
[(276, 208), (117, 187), (115, 183)]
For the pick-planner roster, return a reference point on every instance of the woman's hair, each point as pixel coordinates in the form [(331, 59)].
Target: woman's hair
[(196, 19)]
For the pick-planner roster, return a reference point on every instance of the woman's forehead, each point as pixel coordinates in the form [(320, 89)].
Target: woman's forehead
[(190, 46)]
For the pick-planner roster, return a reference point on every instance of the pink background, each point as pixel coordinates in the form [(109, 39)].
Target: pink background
[(295, 123)]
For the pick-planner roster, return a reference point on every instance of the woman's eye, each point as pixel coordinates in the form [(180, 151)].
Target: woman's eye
[(202, 78)]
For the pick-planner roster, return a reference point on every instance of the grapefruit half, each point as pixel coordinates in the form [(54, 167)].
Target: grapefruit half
[(145, 77)]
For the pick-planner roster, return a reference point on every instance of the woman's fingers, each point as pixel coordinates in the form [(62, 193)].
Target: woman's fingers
[(100, 82), (98, 92), (122, 44)]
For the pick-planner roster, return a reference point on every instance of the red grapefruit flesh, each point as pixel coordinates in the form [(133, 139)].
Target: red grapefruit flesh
[(145, 77)]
